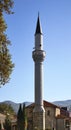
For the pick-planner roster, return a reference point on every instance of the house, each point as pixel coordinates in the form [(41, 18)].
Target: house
[(56, 118)]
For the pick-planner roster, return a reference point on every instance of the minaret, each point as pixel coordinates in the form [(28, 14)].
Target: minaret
[(38, 57)]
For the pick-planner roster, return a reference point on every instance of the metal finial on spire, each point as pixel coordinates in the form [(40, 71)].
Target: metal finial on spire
[(38, 13)]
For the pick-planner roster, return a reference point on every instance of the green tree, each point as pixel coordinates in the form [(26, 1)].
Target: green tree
[(7, 124), (20, 121), (5, 108), (24, 117), (6, 65)]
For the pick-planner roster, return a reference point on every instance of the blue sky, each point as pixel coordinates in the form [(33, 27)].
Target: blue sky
[(55, 17)]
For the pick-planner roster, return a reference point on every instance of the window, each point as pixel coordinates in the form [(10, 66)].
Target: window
[(48, 112)]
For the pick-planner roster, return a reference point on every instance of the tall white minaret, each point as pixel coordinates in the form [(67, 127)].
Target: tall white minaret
[(38, 56)]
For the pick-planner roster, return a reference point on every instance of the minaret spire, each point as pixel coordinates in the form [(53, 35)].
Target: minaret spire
[(38, 27), (38, 57)]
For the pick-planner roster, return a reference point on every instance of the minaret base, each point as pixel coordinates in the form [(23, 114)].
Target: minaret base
[(39, 120)]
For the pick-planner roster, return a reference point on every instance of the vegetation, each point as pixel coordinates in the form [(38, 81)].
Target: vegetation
[(24, 118), (7, 124), (6, 109), (6, 65), (9, 112), (21, 118), (20, 122)]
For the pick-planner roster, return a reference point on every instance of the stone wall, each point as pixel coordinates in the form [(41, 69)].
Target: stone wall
[(50, 119), (60, 124)]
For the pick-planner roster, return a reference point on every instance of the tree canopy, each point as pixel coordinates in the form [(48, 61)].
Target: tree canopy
[(5, 108), (6, 65)]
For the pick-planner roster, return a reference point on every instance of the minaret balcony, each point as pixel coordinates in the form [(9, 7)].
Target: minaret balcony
[(38, 55)]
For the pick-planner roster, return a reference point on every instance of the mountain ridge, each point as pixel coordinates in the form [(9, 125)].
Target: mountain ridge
[(15, 106), (63, 103)]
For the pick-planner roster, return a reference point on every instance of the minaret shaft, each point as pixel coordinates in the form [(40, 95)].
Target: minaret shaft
[(39, 83)]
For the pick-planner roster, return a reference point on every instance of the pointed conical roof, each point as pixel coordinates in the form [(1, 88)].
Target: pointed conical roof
[(38, 27)]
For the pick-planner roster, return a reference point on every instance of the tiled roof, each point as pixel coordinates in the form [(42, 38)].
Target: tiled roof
[(49, 104), (46, 104)]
